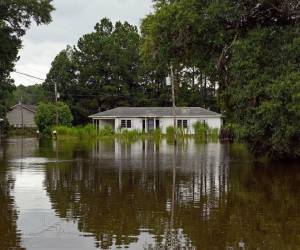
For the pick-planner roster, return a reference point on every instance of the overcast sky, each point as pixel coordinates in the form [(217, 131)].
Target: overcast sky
[(71, 19)]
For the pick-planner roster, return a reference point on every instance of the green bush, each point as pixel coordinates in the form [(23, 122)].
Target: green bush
[(62, 130), (45, 117)]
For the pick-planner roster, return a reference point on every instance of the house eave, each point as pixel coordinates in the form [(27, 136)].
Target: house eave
[(154, 116)]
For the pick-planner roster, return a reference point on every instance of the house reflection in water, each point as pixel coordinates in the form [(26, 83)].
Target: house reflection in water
[(201, 174), (205, 166), (130, 195)]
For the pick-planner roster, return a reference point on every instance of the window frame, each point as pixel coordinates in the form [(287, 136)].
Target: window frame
[(185, 124), (179, 123), (182, 123), (126, 124), (123, 123)]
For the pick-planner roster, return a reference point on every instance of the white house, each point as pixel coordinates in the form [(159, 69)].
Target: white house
[(150, 118)]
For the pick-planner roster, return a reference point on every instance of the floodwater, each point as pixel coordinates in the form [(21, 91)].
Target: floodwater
[(116, 195)]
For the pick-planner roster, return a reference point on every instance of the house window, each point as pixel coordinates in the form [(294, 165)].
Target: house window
[(183, 124), (126, 124), (123, 123), (179, 123)]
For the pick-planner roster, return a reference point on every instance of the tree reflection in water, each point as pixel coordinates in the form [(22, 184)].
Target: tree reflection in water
[(123, 193), (9, 236)]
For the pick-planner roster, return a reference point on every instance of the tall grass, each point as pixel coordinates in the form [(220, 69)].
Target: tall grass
[(202, 133), (88, 131), (170, 132), (156, 134), (106, 131), (213, 134), (129, 135)]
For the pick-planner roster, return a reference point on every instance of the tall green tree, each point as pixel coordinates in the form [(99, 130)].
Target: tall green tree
[(15, 18), (249, 50), (169, 40), (101, 71)]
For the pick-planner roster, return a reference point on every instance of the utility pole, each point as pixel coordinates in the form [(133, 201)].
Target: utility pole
[(174, 158), (56, 96), (1, 122), (22, 115), (174, 105)]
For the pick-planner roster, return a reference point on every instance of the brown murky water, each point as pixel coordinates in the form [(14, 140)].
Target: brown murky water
[(116, 195)]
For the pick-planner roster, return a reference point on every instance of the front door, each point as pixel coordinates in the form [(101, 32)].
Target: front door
[(144, 125), (151, 125), (157, 124)]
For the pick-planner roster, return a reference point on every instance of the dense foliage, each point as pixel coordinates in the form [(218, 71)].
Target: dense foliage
[(15, 17), (106, 70), (101, 71), (33, 95), (250, 49), (45, 117)]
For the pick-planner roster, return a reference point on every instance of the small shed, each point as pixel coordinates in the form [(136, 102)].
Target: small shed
[(22, 115)]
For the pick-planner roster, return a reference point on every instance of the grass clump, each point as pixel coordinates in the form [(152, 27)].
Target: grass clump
[(88, 131), (129, 135), (170, 134), (106, 131), (201, 131), (156, 134), (213, 134)]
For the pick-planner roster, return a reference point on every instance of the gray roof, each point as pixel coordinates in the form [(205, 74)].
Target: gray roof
[(31, 108), (155, 111)]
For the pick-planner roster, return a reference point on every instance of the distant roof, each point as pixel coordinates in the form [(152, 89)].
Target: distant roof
[(31, 108), (155, 112)]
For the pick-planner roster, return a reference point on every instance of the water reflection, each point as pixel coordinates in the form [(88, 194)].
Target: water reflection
[(9, 235), (123, 195), (111, 194)]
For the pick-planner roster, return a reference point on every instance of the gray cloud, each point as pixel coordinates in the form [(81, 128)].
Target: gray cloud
[(71, 20)]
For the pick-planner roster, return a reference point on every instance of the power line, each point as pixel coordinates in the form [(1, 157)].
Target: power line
[(28, 80), (31, 76)]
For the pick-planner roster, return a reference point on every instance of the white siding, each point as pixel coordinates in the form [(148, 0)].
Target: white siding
[(214, 122), (137, 123)]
